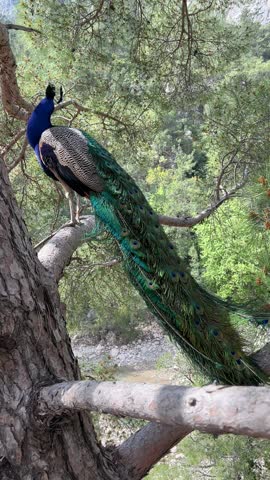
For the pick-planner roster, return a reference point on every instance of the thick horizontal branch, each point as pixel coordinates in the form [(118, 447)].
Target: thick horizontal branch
[(213, 409)]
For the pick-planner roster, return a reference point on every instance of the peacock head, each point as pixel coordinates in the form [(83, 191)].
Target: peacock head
[(46, 106), (50, 91)]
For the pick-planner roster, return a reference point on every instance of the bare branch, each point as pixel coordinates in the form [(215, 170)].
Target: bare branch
[(12, 26), (81, 108), (224, 168), (146, 447), (13, 102), (213, 409), (13, 142), (110, 117), (20, 157), (91, 17), (57, 252), (192, 221), (73, 102), (90, 267)]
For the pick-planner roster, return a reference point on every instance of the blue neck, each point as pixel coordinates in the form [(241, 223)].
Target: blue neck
[(39, 121)]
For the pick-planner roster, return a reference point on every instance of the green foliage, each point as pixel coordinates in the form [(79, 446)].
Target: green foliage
[(236, 266), (223, 458)]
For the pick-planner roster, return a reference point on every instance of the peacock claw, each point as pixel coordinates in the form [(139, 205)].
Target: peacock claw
[(71, 224)]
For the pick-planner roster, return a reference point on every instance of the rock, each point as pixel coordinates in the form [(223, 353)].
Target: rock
[(114, 352), (110, 338)]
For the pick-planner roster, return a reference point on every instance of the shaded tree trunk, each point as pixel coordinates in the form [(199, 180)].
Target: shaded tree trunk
[(35, 351)]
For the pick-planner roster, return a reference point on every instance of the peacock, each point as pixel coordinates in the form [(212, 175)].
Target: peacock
[(196, 320)]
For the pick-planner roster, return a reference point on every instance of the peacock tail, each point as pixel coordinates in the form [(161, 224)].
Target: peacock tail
[(196, 320)]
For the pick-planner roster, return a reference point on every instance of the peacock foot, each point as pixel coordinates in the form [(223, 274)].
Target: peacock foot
[(71, 223)]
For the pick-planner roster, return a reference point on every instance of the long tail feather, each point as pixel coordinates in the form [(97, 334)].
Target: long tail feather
[(193, 318)]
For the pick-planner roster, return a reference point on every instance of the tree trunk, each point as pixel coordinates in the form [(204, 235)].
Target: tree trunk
[(35, 351)]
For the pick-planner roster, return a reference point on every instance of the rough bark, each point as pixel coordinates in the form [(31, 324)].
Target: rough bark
[(13, 102), (34, 351)]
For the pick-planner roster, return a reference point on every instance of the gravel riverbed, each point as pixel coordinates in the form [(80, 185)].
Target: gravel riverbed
[(143, 353)]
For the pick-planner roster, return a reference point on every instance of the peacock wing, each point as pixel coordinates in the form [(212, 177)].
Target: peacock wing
[(66, 153)]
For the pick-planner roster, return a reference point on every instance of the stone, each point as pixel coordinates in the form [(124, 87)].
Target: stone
[(114, 352)]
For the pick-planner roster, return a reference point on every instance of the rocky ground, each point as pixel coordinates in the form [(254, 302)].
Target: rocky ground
[(143, 353)]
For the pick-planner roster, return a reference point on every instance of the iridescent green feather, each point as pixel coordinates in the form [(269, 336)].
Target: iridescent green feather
[(193, 318)]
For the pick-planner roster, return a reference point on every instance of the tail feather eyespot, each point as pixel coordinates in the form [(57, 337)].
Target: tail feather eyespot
[(125, 233), (135, 244), (152, 285), (183, 276)]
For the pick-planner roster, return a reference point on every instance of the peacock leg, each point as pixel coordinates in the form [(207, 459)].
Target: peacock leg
[(69, 194), (77, 214)]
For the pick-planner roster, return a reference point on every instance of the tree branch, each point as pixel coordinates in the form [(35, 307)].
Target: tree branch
[(146, 447), (192, 221), (12, 26), (139, 451), (13, 102), (20, 157), (12, 142), (73, 102), (213, 409), (57, 252), (81, 108)]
